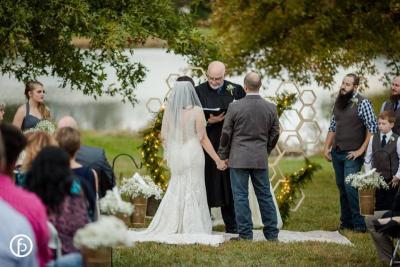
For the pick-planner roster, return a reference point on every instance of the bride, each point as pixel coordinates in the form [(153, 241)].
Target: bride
[(183, 216)]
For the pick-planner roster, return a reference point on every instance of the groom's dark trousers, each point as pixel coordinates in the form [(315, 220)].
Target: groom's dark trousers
[(240, 189)]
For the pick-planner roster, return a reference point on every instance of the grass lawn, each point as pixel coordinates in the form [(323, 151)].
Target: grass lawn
[(320, 211)]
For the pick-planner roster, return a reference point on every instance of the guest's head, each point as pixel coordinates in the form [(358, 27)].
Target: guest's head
[(185, 79), (36, 142), (252, 82), (2, 111), (67, 121), (69, 139), (50, 177), (386, 121), (34, 92), (349, 84), (216, 74), (395, 89), (14, 142), (347, 88)]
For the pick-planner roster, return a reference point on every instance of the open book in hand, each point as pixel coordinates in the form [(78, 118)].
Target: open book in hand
[(214, 111)]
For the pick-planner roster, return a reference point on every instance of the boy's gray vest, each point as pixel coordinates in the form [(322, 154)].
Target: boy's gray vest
[(386, 162), (350, 131)]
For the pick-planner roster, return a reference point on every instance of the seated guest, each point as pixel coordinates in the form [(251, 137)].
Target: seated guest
[(36, 142), (12, 224), (93, 157), (51, 179), (383, 153), (26, 203), (69, 139)]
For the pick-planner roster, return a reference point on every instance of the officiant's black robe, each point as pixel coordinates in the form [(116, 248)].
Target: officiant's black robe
[(218, 185)]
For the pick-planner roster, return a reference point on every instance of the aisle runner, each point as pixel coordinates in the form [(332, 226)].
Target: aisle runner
[(292, 236)]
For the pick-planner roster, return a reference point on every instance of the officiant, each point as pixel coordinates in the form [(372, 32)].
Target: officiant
[(217, 93)]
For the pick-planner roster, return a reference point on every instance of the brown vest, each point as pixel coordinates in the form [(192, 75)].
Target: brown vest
[(350, 131), (386, 162), (389, 105)]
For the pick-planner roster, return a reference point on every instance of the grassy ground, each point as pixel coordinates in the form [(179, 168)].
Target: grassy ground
[(319, 211)]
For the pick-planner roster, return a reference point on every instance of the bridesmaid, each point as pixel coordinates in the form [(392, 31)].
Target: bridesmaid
[(34, 110)]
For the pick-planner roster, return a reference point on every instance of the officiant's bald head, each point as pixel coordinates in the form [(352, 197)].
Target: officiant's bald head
[(216, 74), (252, 82)]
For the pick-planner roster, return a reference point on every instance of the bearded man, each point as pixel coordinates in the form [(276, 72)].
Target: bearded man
[(393, 103), (353, 123)]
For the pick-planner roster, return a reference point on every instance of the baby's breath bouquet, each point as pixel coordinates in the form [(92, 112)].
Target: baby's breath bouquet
[(44, 126), (108, 231), (112, 204), (366, 180), (140, 186)]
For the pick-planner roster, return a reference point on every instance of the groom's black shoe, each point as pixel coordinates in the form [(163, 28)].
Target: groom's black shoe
[(240, 238)]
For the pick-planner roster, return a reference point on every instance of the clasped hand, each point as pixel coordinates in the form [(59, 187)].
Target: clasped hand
[(222, 164)]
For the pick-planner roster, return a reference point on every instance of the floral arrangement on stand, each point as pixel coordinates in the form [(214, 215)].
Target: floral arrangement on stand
[(140, 186), (98, 235), (366, 180), (43, 125), (366, 183), (112, 204)]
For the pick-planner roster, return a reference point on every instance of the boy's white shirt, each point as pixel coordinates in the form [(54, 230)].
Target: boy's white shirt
[(368, 155)]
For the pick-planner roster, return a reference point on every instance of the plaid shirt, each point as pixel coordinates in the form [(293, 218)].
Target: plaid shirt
[(365, 113)]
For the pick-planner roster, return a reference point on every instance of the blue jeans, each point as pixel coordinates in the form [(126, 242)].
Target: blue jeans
[(350, 216), (240, 190)]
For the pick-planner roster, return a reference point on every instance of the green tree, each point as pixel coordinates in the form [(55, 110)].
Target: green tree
[(307, 40), (36, 39)]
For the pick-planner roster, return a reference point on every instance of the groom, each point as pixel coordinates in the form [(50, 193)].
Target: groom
[(250, 132)]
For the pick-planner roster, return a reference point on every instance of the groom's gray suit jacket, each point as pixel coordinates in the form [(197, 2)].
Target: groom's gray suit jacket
[(250, 132)]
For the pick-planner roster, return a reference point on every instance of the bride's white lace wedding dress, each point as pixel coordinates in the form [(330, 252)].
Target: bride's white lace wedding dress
[(183, 216)]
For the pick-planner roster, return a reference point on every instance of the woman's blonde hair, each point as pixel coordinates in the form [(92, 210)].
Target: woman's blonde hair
[(44, 111), (36, 142), (69, 139)]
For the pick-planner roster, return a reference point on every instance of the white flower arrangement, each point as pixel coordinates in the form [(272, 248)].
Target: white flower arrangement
[(366, 180), (108, 231), (391, 139), (43, 125), (112, 204), (140, 186)]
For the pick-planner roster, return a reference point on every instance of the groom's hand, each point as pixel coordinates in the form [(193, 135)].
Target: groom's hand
[(215, 119)]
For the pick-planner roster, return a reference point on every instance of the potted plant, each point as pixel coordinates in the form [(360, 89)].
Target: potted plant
[(138, 189), (96, 241), (112, 204), (366, 183)]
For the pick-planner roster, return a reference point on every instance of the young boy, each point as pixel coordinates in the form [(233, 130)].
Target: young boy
[(383, 153)]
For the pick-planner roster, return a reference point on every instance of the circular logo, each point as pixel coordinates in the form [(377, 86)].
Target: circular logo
[(21, 246)]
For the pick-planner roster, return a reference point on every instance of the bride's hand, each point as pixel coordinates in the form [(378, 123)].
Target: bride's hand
[(221, 165)]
